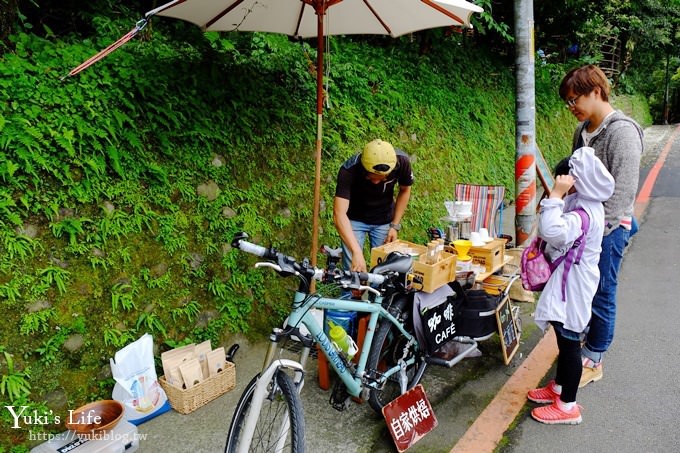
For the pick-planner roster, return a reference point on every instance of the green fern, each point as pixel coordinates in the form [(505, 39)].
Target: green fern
[(14, 384), (37, 321), (55, 275), (150, 322), (70, 226), (117, 338), (122, 296), (189, 311)]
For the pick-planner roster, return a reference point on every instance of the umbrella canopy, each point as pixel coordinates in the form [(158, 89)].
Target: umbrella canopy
[(299, 17), (319, 18)]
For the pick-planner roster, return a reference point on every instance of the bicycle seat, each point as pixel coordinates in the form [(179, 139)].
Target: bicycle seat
[(394, 262)]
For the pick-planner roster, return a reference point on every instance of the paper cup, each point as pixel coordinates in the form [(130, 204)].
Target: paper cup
[(476, 239)]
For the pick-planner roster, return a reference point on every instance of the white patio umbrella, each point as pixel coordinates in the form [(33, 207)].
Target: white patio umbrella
[(309, 18)]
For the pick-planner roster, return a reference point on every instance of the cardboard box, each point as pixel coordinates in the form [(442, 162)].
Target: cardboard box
[(491, 255), (430, 276)]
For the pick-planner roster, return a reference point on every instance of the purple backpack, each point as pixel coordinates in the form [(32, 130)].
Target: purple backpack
[(536, 268)]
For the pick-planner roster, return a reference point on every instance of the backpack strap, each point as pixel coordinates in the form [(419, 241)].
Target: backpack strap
[(573, 256)]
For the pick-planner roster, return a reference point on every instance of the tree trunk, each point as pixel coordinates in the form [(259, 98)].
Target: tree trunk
[(8, 16)]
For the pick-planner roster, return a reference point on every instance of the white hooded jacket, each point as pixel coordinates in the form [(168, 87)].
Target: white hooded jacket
[(560, 228)]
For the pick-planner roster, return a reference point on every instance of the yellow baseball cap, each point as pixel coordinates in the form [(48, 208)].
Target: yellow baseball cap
[(379, 157)]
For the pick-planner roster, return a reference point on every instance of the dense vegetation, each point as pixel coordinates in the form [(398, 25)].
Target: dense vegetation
[(122, 187)]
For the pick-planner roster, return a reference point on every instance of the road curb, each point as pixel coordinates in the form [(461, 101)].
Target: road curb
[(488, 430)]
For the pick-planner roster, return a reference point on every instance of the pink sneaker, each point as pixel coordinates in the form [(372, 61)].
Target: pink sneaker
[(545, 394), (553, 415)]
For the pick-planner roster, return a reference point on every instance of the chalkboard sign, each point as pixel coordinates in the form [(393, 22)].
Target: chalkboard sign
[(507, 329)]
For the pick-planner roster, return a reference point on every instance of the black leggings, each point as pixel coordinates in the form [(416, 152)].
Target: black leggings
[(568, 367)]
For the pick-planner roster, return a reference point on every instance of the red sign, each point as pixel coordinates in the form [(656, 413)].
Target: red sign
[(409, 417)]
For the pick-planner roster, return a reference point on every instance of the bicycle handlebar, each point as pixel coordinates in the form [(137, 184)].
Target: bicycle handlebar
[(253, 249), (286, 265)]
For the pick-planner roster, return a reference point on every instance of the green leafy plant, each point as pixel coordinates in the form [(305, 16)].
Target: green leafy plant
[(50, 348), (155, 282), (55, 275), (37, 321), (189, 311), (11, 290), (150, 322), (118, 338), (218, 288), (71, 227), (14, 384), (123, 297), (16, 246)]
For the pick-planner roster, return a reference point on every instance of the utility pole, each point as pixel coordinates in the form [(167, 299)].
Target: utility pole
[(665, 91), (525, 122)]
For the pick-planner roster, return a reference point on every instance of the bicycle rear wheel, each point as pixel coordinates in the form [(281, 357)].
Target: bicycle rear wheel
[(281, 405), (389, 346)]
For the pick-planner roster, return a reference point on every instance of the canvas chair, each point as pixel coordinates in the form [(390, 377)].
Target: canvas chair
[(487, 206)]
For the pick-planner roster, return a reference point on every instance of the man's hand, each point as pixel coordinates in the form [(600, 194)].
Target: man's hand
[(358, 262), (391, 235)]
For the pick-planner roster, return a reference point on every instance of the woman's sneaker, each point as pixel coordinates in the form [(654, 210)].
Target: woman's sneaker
[(545, 394), (554, 415)]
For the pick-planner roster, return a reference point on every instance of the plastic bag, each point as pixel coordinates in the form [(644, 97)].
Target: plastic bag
[(137, 385)]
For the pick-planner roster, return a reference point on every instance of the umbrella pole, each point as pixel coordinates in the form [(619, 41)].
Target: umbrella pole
[(319, 129)]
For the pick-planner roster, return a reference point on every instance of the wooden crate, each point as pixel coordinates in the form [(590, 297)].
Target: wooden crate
[(186, 401), (430, 276), (490, 255)]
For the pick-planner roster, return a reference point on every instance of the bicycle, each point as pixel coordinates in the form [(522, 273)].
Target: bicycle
[(268, 416)]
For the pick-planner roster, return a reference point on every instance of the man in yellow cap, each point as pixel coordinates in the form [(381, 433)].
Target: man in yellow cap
[(364, 201)]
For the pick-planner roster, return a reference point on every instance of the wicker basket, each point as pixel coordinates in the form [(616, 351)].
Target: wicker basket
[(186, 401)]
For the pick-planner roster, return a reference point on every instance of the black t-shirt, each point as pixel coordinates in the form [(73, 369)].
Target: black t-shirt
[(371, 203)]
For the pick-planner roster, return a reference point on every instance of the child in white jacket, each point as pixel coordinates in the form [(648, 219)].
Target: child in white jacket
[(587, 185)]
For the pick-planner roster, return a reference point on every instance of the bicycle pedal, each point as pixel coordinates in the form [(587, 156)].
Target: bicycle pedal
[(340, 399)]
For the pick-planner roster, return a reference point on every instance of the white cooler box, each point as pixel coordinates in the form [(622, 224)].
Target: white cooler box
[(123, 438)]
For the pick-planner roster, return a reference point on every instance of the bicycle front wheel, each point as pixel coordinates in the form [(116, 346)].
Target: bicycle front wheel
[(280, 424), (389, 346)]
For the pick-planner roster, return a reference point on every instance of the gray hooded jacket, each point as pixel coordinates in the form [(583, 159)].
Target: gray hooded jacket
[(619, 146)]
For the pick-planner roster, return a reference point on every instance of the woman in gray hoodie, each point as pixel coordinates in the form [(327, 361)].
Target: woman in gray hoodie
[(618, 143)]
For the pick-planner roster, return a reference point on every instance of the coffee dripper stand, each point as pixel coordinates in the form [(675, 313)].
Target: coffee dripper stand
[(458, 227)]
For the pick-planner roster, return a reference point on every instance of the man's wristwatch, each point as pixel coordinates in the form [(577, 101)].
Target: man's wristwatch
[(396, 226)]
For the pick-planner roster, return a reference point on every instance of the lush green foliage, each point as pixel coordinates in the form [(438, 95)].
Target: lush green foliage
[(123, 186), (636, 41)]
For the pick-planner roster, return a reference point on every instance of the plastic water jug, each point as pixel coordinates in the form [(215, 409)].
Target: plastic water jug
[(346, 319)]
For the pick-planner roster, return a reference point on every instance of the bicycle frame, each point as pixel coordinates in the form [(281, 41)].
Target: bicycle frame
[(355, 379), (301, 314)]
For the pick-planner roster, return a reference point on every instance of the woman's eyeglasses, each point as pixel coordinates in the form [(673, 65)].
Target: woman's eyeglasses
[(572, 102)]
